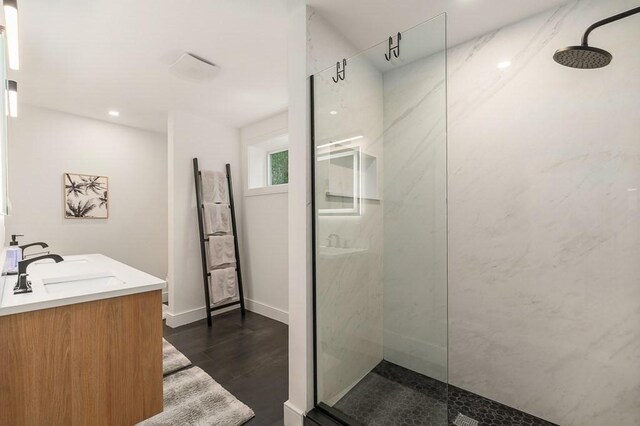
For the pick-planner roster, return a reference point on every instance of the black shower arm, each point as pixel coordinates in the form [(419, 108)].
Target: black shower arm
[(585, 37)]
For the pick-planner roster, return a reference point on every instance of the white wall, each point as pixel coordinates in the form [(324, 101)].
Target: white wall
[(44, 144), (300, 302), (214, 145), (265, 236)]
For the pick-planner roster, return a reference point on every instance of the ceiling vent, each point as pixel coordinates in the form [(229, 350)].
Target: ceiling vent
[(192, 67)]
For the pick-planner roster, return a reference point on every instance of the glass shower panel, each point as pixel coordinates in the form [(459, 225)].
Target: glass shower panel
[(381, 232)]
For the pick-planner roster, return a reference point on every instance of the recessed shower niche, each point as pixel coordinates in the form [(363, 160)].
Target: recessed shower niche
[(349, 177)]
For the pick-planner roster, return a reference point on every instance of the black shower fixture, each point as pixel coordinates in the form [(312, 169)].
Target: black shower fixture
[(585, 56)]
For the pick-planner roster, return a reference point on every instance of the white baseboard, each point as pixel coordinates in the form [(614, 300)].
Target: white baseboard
[(267, 311), (179, 319), (176, 320), (293, 416)]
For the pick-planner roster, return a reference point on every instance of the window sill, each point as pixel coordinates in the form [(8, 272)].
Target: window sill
[(267, 190)]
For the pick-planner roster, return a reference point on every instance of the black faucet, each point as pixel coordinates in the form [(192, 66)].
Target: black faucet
[(39, 244), (24, 285)]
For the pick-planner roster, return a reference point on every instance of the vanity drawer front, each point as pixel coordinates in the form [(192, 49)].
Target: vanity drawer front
[(94, 363)]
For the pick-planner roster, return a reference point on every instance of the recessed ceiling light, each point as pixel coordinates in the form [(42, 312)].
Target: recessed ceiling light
[(504, 64), (333, 112), (114, 113)]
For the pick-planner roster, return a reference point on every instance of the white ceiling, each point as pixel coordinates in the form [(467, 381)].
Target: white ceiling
[(90, 56), (368, 22)]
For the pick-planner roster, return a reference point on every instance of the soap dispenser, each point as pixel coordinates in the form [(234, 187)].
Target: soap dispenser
[(14, 255)]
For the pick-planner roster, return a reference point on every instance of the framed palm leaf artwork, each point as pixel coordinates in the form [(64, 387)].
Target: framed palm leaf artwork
[(85, 196)]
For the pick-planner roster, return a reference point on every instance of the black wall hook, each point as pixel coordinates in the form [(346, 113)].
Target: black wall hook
[(393, 49), (340, 72)]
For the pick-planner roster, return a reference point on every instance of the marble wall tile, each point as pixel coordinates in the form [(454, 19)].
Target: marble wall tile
[(544, 241), (415, 211)]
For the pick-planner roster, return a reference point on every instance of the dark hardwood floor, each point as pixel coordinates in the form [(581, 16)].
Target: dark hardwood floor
[(248, 358)]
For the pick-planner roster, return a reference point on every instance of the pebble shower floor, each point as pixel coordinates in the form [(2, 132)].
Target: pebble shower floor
[(392, 395)]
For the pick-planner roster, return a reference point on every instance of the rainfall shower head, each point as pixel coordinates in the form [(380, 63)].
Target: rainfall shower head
[(585, 56), (582, 57)]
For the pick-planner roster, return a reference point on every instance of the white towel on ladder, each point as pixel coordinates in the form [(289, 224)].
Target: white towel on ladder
[(222, 284), (221, 250), (217, 219), (214, 187)]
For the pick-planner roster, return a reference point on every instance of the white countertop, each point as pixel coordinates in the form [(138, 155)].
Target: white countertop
[(81, 278)]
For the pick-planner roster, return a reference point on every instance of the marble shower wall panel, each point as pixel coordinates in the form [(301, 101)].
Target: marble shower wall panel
[(544, 226), (349, 286), (415, 216), (325, 45)]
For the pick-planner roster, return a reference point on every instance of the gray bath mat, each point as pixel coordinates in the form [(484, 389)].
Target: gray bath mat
[(172, 359), (193, 398)]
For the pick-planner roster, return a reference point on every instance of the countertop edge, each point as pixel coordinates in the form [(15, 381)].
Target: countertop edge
[(38, 306)]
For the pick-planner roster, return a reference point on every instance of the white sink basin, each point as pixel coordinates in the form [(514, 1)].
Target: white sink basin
[(85, 286), (77, 276), (67, 271), (339, 251)]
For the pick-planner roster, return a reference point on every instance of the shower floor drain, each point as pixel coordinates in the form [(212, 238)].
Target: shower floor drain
[(463, 420)]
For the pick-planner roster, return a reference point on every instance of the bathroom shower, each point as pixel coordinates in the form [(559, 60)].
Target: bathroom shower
[(585, 56)]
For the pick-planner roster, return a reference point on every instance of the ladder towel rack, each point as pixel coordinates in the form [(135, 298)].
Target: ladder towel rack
[(204, 240)]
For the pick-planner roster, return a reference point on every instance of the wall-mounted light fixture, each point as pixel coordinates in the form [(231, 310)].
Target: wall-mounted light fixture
[(11, 21), (355, 138), (12, 98)]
